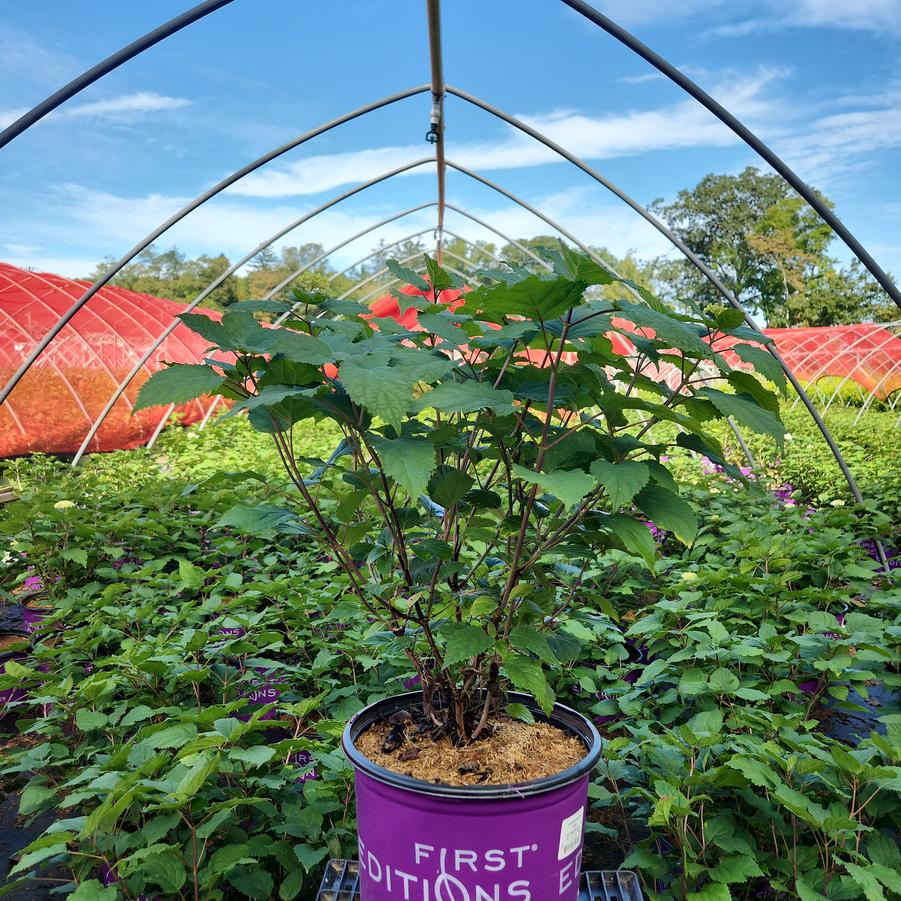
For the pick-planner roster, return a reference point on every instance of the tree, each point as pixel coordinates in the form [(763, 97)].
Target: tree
[(768, 247)]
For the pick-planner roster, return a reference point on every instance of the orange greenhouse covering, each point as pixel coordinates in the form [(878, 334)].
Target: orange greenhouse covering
[(868, 354), (55, 403)]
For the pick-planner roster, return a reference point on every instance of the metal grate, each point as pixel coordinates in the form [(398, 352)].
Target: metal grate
[(342, 877)]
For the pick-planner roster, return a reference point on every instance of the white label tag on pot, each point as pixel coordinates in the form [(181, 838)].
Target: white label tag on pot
[(571, 834)]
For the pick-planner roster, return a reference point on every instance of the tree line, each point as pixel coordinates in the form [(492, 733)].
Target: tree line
[(766, 245)]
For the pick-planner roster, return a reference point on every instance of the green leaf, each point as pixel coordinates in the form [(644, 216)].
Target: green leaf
[(86, 720), (723, 681), (167, 869), (264, 520), (191, 576), (635, 536), (693, 682), (729, 317), (536, 298), (298, 348), (292, 885), (746, 411), (527, 675), (136, 714), (735, 868), (528, 639), (309, 856), (254, 882), (448, 485), (622, 481), (706, 723), (33, 858), (466, 397), (520, 712), (177, 384), (668, 511), (75, 554), (194, 779), (34, 797), (570, 486), (669, 332), (864, 879), (464, 641), (408, 276), (764, 362), (382, 390), (437, 276), (254, 756), (713, 891), (409, 461), (93, 890)]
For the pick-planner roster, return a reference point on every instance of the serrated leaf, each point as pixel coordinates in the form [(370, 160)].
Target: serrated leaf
[(177, 384), (437, 276), (466, 397), (527, 675), (746, 411), (382, 390), (534, 298), (309, 856), (75, 554), (90, 719), (706, 723), (264, 519), (292, 885), (569, 486), (520, 712), (254, 882), (693, 682), (33, 858), (764, 362), (864, 879), (189, 575), (254, 756), (464, 641), (94, 890), (409, 461), (735, 868), (713, 891), (668, 511), (528, 639), (448, 485), (635, 537), (298, 348), (670, 332), (34, 797), (408, 276), (723, 681), (622, 481)]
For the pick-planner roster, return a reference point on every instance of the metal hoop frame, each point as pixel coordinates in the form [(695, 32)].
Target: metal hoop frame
[(438, 91)]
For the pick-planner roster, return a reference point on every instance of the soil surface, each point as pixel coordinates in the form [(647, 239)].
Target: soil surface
[(514, 752)]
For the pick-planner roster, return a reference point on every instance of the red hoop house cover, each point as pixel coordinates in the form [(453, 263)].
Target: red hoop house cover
[(868, 354), (53, 406)]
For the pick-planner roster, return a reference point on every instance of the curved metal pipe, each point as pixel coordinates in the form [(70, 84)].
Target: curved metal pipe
[(433, 12), (193, 205), (730, 121), (87, 78), (174, 324)]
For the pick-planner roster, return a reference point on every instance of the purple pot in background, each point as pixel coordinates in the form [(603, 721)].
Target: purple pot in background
[(462, 843)]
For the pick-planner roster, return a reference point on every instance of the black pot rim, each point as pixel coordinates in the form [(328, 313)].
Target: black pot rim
[(563, 717)]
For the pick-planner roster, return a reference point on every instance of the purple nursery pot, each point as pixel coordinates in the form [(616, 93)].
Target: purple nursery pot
[(419, 841)]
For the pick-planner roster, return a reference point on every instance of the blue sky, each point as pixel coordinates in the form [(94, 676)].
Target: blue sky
[(819, 79)]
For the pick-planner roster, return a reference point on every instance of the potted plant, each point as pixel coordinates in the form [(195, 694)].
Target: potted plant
[(494, 443)]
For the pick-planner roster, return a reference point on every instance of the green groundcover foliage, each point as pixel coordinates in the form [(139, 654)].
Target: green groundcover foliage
[(177, 708)]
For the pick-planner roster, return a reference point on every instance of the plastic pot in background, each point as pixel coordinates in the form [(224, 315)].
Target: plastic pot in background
[(419, 840)]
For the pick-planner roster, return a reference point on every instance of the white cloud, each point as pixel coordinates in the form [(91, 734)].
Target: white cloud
[(878, 16), (8, 116), (127, 105), (843, 141), (683, 124)]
